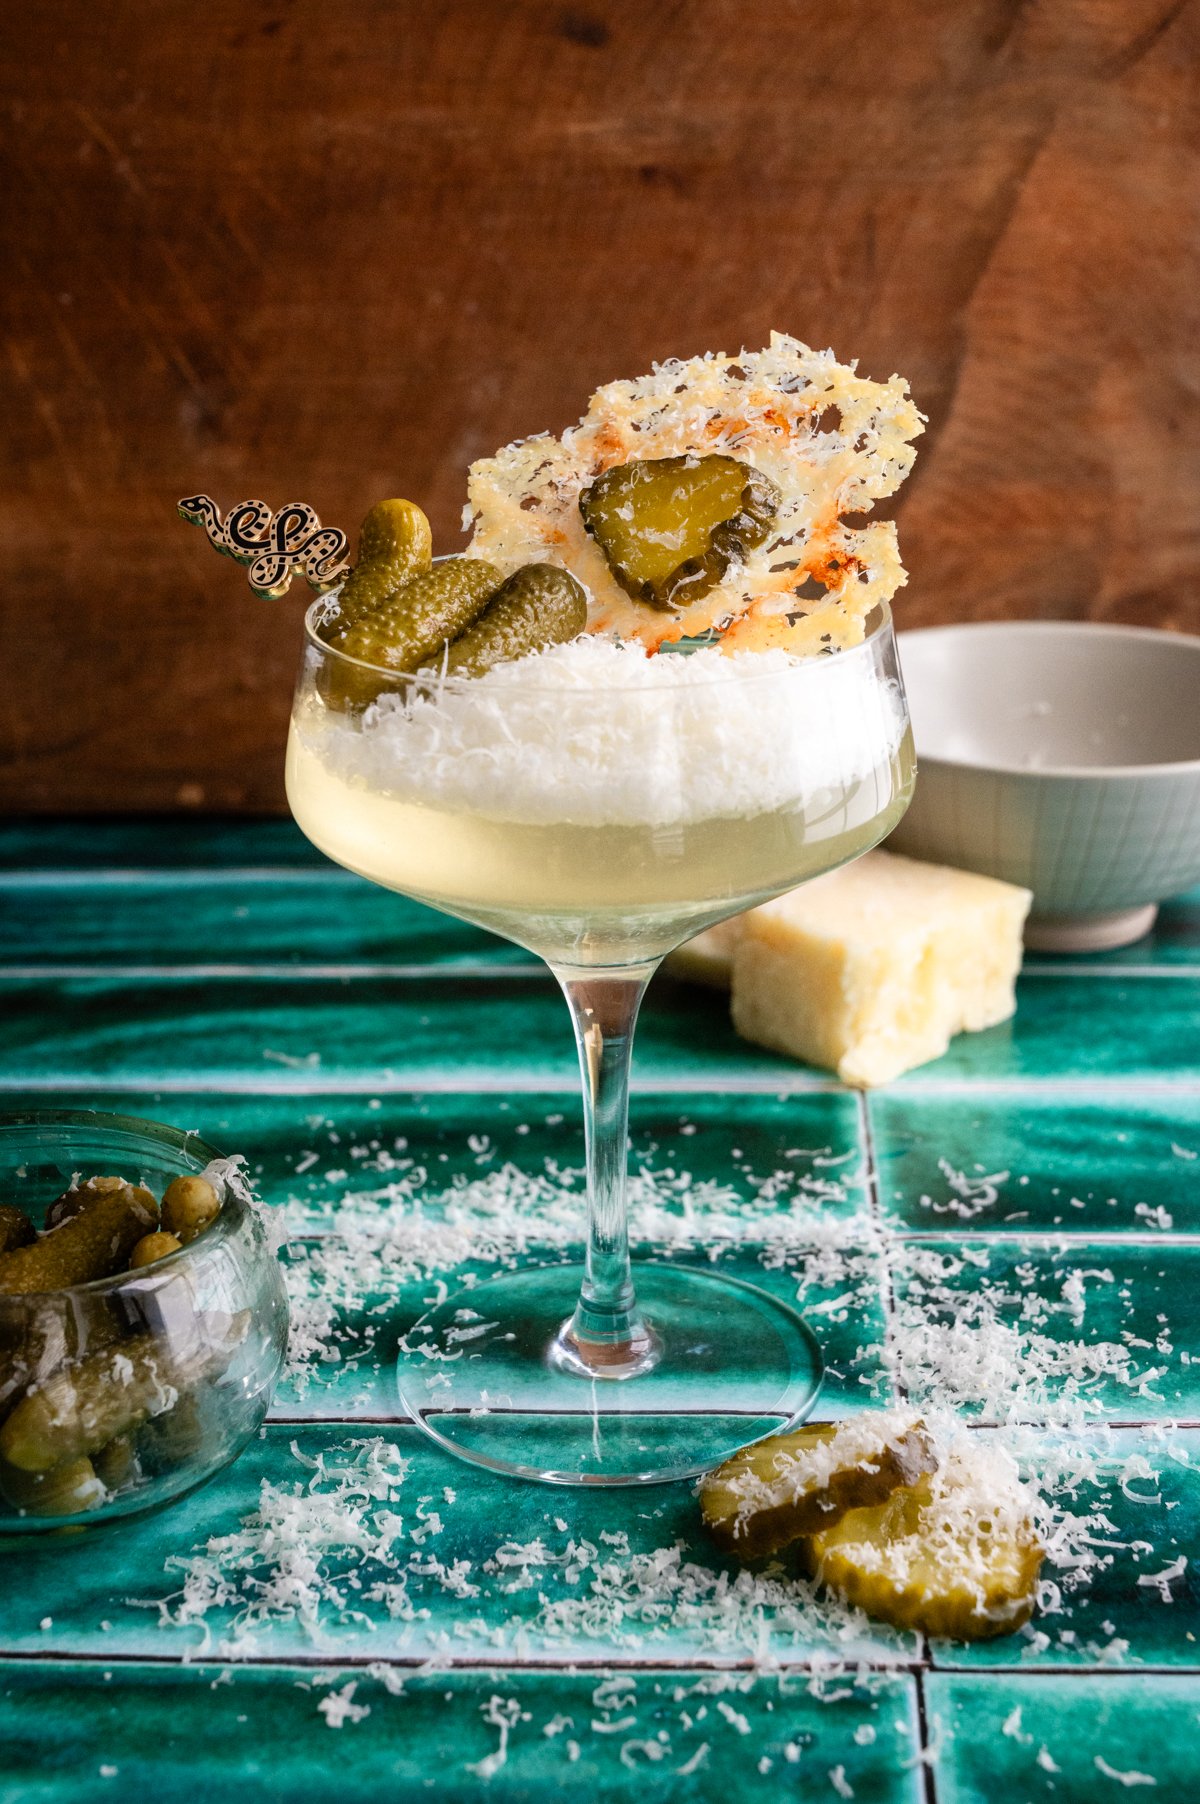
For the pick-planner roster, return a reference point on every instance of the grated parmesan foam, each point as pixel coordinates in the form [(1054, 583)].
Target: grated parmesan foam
[(595, 733)]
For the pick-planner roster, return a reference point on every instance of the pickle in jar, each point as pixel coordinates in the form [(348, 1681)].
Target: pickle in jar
[(66, 1490), (94, 1243), (83, 1195), (16, 1229), (91, 1401)]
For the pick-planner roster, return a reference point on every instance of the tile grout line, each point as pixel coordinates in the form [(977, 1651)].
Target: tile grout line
[(502, 1662), (875, 1212), (21, 971), (928, 1778), (180, 877), (598, 1662), (341, 973), (310, 1081), (1111, 971), (1100, 1425), (416, 1663)]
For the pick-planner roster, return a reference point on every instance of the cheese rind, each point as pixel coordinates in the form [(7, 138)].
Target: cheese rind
[(873, 969)]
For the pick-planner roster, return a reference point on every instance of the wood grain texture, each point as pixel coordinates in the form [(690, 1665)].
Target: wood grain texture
[(287, 249)]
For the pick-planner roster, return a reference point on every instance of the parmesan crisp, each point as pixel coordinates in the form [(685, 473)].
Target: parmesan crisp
[(833, 443)]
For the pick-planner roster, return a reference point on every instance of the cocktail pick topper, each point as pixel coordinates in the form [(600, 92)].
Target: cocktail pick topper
[(275, 546)]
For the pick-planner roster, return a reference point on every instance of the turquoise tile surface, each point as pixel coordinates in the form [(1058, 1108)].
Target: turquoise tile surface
[(1113, 1327), (71, 1733), (151, 842), (322, 917), (1125, 1590), (398, 1029), (480, 1568), (1025, 1162), (846, 1313), (314, 1150), (1025, 1253), (1080, 1027), (485, 1031), (1068, 1741)]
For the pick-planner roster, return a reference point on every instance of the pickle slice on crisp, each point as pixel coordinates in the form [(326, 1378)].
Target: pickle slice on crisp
[(394, 544), (539, 605), (794, 1485), (670, 527), (956, 1554)]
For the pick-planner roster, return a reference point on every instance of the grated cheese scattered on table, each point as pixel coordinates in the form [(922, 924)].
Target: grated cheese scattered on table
[(348, 1540)]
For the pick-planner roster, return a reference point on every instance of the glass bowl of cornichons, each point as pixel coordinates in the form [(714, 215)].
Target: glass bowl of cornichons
[(143, 1319)]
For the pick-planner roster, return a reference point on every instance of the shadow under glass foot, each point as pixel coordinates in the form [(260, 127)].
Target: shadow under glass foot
[(479, 1375)]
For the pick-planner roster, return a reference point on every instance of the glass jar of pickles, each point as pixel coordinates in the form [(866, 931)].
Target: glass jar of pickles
[(143, 1320)]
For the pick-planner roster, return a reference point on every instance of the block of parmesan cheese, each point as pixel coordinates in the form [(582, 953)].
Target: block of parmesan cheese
[(872, 969)]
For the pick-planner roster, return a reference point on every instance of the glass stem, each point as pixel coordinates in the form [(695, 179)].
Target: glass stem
[(607, 1337)]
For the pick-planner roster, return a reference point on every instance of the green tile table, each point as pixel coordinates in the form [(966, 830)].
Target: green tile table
[(1040, 1182)]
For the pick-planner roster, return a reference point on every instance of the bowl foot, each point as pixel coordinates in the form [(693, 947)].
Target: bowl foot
[(1088, 932)]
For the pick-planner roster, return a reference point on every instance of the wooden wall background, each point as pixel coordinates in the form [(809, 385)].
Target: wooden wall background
[(334, 249)]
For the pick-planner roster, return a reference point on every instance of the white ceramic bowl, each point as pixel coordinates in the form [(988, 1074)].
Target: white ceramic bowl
[(1063, 756)]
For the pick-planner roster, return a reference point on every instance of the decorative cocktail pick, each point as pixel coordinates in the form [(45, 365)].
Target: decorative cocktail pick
[(275, 546)]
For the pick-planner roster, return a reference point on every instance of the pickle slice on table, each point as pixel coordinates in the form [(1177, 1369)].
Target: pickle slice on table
[(794, 1485), (670, 527), (394, 544), (954, 1555), (539, 605)]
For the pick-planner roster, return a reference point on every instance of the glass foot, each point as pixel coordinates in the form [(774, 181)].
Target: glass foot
[(483, 1374)]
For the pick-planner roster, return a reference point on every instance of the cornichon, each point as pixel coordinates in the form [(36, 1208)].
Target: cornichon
[(188, 1205), (166, 1442), (415, 623), (16, 1229), (670, 527), (394, 544), (539, 605), (797, 1484), (65, 1490), (83, 1196), (117, 1464), (83, 1406), (153, 1247), (93, 1244)]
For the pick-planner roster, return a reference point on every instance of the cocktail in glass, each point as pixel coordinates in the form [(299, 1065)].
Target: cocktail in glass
[(599, 808)]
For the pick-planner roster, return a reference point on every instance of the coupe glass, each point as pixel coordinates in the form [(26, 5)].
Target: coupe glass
[(600, 828)]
